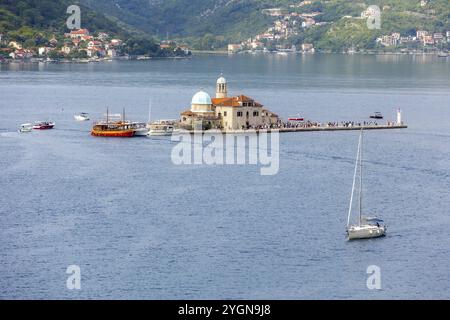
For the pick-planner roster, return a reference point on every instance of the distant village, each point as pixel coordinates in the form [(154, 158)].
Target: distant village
[(79, 45), (288, 25)]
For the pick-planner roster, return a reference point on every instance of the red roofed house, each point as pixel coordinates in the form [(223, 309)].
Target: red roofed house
[(228, 113), (80, 33)]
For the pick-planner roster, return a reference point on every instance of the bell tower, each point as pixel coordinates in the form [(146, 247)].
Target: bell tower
[(221, 87)]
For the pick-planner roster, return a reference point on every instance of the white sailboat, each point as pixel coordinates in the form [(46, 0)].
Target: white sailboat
[(367, 227)]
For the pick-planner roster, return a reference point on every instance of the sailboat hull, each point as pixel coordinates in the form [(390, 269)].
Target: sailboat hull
[(365, 232)]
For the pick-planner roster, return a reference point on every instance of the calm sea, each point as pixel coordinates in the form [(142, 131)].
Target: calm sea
[(141, 227)]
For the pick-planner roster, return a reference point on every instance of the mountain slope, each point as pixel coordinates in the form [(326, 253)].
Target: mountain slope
[(21, 19), (194, 18)]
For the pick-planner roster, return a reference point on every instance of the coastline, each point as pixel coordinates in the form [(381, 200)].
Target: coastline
[(218, 53)]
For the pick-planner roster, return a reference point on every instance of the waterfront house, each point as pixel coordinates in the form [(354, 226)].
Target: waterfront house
[(389, 41), (307, 47), (233, 48), (420, 34), (438, 37), (116, 42), (112, 53), (44, 50), (428, 40)]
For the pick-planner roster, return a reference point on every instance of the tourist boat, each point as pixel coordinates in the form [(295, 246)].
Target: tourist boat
[(113, 127), (140, 129), (377, 115), (43, 125), (366, 227), (162, 128), (81, 117), (26, 127)]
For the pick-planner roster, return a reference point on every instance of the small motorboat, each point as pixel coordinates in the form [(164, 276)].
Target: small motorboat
[(442, 54), (81, 117), (44, 125), (26, 127), (377, 115)]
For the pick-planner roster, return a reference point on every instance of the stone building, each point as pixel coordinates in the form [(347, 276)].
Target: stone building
[(226, 113)]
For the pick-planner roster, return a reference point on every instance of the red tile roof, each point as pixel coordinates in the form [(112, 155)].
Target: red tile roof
[(234, 101), (80, 31)]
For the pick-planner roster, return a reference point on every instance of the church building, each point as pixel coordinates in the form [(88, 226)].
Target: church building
[(226, 113)]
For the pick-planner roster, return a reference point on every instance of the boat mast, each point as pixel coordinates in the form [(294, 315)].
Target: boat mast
[(149, 109), (354, 182), (123, 115), (361, 178), (107, 115)]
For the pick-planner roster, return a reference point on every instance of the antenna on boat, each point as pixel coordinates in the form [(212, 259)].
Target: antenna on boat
[(107, 114)]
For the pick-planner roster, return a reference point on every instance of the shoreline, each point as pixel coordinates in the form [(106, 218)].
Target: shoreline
[(222, 53)]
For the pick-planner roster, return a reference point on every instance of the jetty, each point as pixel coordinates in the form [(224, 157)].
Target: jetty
[(304, 129), (342, 128)]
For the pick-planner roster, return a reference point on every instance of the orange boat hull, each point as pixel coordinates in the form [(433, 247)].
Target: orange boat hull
[(113, 133)]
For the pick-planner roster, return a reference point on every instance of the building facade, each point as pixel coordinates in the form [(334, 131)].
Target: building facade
[(226, 113)]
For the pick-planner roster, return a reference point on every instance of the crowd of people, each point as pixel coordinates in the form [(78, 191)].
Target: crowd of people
[(311, 124)]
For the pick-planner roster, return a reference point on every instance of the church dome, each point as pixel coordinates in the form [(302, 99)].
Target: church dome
[(221, 80), (201, 97)]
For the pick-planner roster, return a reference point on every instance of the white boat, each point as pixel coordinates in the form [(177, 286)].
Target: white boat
[(81, 117), (26, 127), (162, 128), (366, 227), (140, 129)]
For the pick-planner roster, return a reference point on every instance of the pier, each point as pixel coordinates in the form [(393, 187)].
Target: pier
[(343, 128), (306, 129)]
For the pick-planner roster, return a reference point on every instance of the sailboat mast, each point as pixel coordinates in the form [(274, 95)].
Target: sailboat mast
[(354, 181), (361, 179), (149, 109)]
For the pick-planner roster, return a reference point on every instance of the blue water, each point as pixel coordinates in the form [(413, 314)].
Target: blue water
[(141, 227)]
